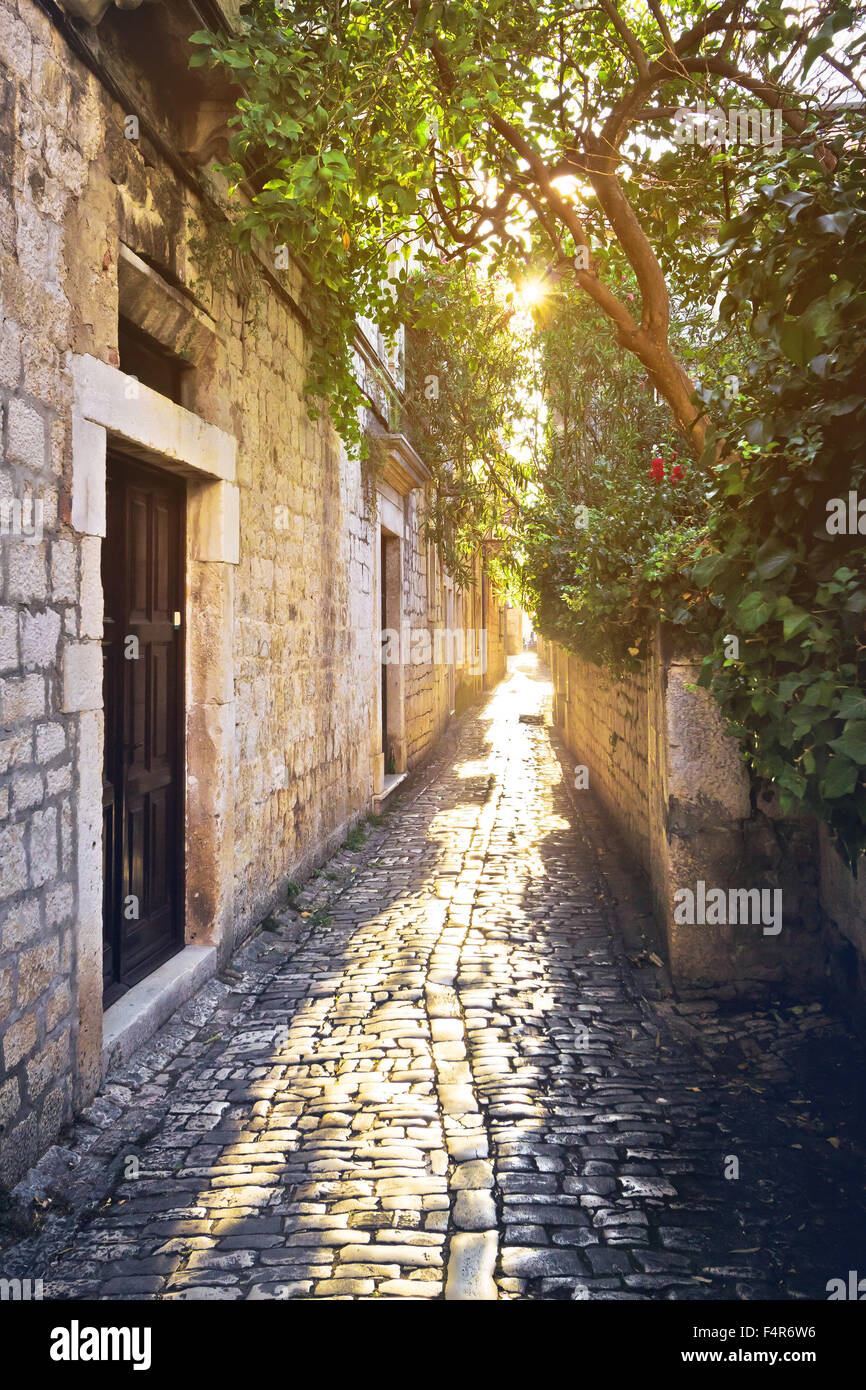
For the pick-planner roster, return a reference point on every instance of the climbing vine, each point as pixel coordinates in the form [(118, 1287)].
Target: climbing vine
[(221, 268), (783, 566)]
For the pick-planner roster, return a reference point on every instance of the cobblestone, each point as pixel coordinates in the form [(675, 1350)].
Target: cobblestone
[(442, 1078)]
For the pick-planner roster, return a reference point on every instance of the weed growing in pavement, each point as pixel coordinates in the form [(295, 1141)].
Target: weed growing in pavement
[(356, 836), (318, 917)]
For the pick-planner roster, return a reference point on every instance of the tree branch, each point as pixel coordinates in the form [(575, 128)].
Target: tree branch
[(712, 22), (766, 91), (656, 11), (636, 51)]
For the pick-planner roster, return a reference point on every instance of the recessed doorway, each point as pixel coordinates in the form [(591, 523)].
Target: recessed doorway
[(143, 583)]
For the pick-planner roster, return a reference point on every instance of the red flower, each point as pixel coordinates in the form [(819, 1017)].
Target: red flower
[(657, 471), (677, 472)]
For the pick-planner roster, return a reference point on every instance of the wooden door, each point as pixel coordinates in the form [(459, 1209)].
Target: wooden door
[(143, 583), (386, 644)]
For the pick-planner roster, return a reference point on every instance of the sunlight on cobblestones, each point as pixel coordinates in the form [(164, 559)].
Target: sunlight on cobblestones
[(449, 1085)]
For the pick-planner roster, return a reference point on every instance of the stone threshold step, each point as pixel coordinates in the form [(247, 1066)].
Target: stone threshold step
[(392, 782), (139, 1013)]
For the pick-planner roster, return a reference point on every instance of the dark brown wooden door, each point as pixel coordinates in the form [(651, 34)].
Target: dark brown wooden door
[(386, 646), (143, 582)]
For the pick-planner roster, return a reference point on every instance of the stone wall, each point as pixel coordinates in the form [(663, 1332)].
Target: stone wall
[(496, 636), (513, 631), (281, 614), (45, 582), (427, 691), (481, 616), (672, 780), (607, 719)]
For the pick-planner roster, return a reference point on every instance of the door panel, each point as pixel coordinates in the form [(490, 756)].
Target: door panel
[(143, 581)]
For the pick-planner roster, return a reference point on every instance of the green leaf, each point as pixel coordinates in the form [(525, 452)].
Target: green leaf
[(836, 223), (814, 50), (799, 342), (771, 560), (760, 432), (789, 685), (336, 164), (852, 705), (840, 778), (852, 741), (754, 611), (794, 623), (706, 568)]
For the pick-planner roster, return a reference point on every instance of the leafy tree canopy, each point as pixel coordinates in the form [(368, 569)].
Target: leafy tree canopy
[(700, 298), (527, 132)]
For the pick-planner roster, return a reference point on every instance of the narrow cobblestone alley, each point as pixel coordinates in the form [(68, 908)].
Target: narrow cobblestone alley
[(448, 1080)]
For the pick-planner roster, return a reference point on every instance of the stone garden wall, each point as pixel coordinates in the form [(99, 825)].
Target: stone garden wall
[(660, 762)]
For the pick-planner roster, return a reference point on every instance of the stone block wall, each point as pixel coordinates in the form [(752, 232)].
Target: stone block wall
[(513, 631), (47, 581), (672, 780), (426, 687), (280, 640), (607, 719), (479, 610), (428, 684), (497, 636)]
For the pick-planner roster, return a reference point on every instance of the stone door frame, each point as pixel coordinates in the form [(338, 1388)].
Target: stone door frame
[(403, 471), (110, 409)]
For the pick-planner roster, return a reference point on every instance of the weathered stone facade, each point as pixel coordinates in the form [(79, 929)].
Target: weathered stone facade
[(105, 222)]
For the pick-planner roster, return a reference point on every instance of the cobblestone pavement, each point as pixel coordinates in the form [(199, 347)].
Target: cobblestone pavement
[(449, 1080)]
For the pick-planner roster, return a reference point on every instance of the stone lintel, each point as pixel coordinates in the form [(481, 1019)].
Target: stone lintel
[(160, 310), (403, 468), (149, 423), (391, 515)]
